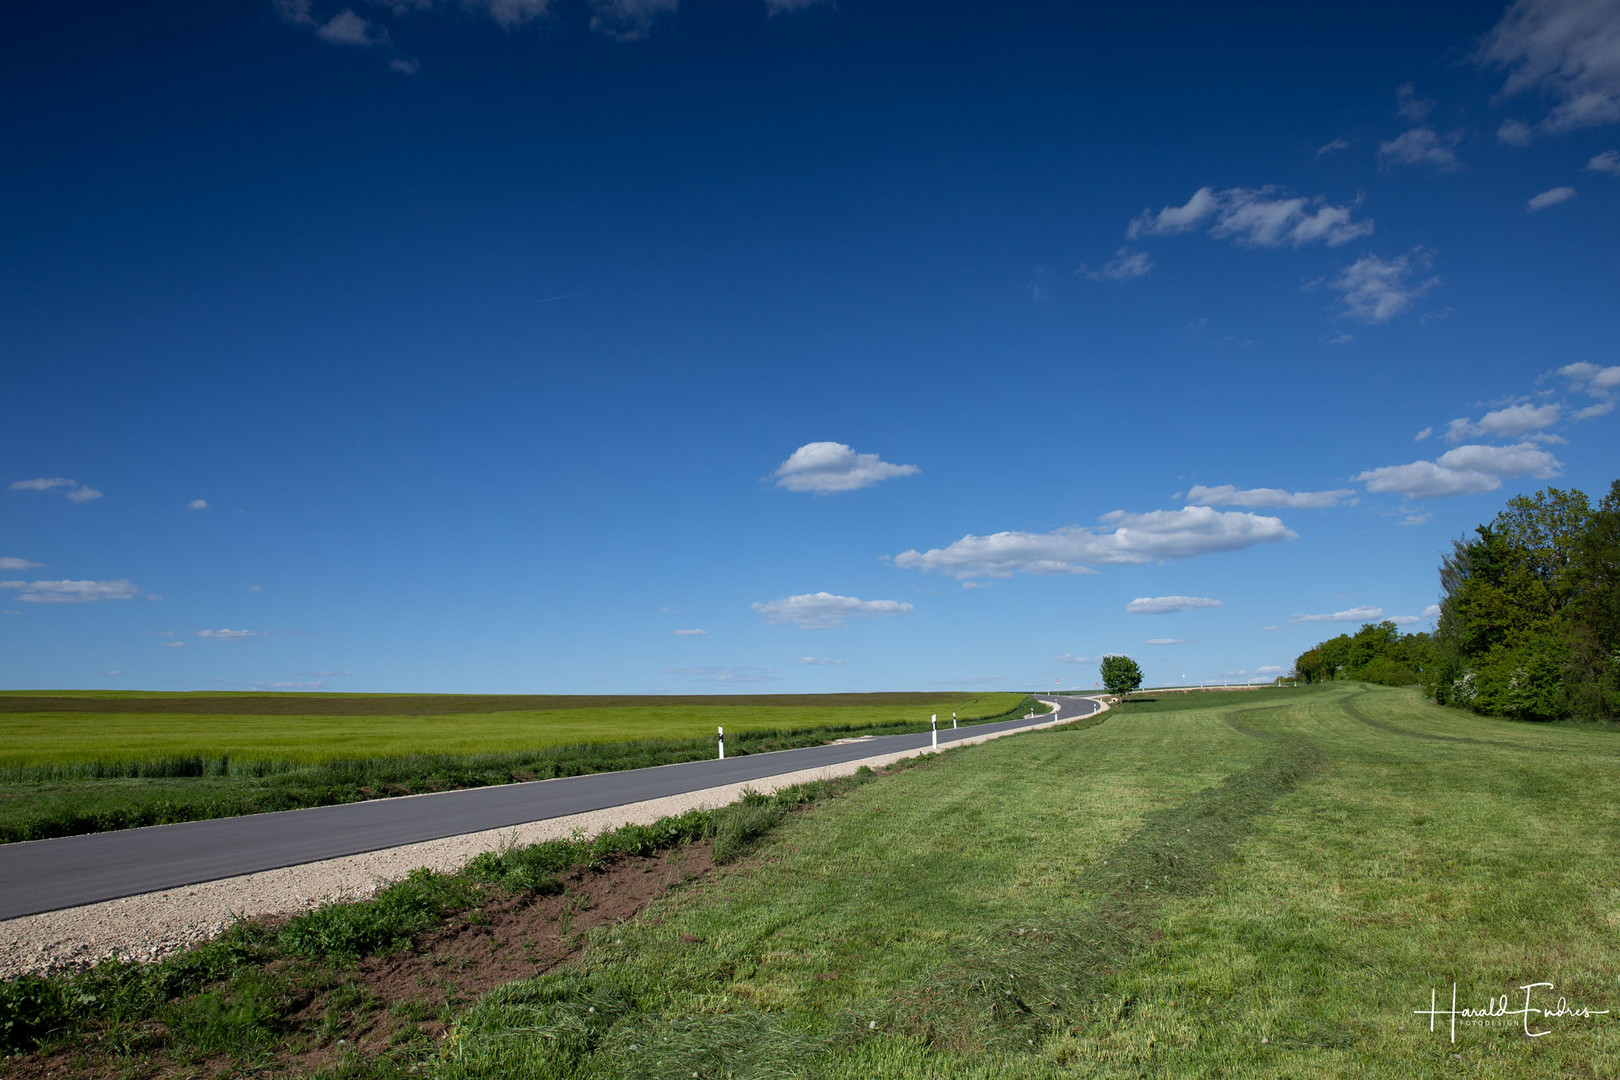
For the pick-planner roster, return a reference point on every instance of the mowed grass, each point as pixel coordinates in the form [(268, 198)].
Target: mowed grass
[(39, 728), (1265, 884)]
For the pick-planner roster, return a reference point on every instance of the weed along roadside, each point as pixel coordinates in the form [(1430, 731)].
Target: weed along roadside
[(1270, 884)]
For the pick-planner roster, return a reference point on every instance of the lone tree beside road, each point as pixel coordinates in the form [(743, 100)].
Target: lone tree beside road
[(1120, 675)]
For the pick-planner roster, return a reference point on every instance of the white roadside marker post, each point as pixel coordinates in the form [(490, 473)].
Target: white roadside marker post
[(933, 723), (953, 721), (722, 744)]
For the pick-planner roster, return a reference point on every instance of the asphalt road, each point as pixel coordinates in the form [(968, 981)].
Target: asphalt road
[(45, 875)]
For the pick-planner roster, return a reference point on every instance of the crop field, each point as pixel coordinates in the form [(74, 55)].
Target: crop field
[(78, 763), (62, 728), (1273, 884)]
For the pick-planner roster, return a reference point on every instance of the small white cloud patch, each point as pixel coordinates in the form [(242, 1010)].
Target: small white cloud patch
[(1355, 614), (12, 562), (830, 467), (822, 610), (691, 633), (1163, 605), (72, 592), (1467, 470), (230, 635), (197, 504), (1551, 197), (74, 491), (1375, 290), (1229, 495)]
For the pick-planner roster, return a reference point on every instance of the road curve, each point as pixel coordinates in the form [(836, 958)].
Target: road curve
[(46, 875)]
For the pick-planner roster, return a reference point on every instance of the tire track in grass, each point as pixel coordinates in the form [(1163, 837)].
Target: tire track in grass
[(1016, 986), (1349, 707)]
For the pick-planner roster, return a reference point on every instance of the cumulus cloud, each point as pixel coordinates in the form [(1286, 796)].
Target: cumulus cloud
[(511, 13), (1163, 605), (1591, 379), (1568, 51), (1506, 423), (726, 676), (1165, 641), (1375, 290), (1420, 146), (829, 467), (819, 661), (1070, 658), (1411, 107), (1127, 538), (1606, 162), (1467, 470), (1550, 197), (230, 635), (1432, 611), (1355, 614), (13, 562), (1254, 217), (1229, 495), (74, 491), (691, 633), (197, 504), (1514, 133), (627, 20), (820, 610), (347, 28), (72, 592), (1126, 265)]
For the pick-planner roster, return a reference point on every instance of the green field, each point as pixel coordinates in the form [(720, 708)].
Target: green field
[(1256, 885), (38, 728), (78, 763)]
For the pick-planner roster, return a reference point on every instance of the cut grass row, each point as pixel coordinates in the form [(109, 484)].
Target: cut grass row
[(65, 799), (1263, 886)]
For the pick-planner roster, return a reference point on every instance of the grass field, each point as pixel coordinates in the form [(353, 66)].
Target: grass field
[(1256, 885), (1268, 884), (61, 728), (78, 763)]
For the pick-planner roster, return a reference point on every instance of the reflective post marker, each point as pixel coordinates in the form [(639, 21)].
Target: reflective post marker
[(933, 722), (953, 721), (722, 744)]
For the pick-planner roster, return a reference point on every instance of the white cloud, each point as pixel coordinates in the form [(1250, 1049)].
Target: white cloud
[(1424, 434), (1126, 265), (1375, 290), (1514, 133), (1592, 412), (72, 592), (1467, 470), (1404, 620), (347, 28), (727, 676), (1420, 146), (1550, 197), (1411, 107), (1163, 605), (1158, 535), (627, 20), (255, 588), (1229, 495), (12, 562), (197, 504), (1432, 611), (114, 674), (1355, 614), (510, 13), (829, 467), (1416, 519), (1070, 658), (1332, 147), (1568, 51), (316, 685), (174, 644), (1269, 669), (1606, 162), (819, 661), (820, 610), (1165, 641), (691, 633), (1598, 382), (404, 67), (1342, 339), (780, 7), (1255, 218), (230, 635), (1506, 423), (77, 492)]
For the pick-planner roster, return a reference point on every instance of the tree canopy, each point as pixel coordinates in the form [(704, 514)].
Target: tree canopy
[(1120, 675)]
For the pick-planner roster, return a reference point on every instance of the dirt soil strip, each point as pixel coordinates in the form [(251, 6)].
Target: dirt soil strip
[(153, 925)]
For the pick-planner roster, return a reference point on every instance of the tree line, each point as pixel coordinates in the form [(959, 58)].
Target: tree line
[(1529, 623)]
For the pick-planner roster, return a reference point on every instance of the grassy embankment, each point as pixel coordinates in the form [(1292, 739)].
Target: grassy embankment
[(1256, 885), (94, 761)]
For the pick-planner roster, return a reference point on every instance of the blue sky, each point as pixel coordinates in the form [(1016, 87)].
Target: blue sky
[(676, 346)]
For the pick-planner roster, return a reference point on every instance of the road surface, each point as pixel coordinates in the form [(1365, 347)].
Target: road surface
[(46, 875)]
